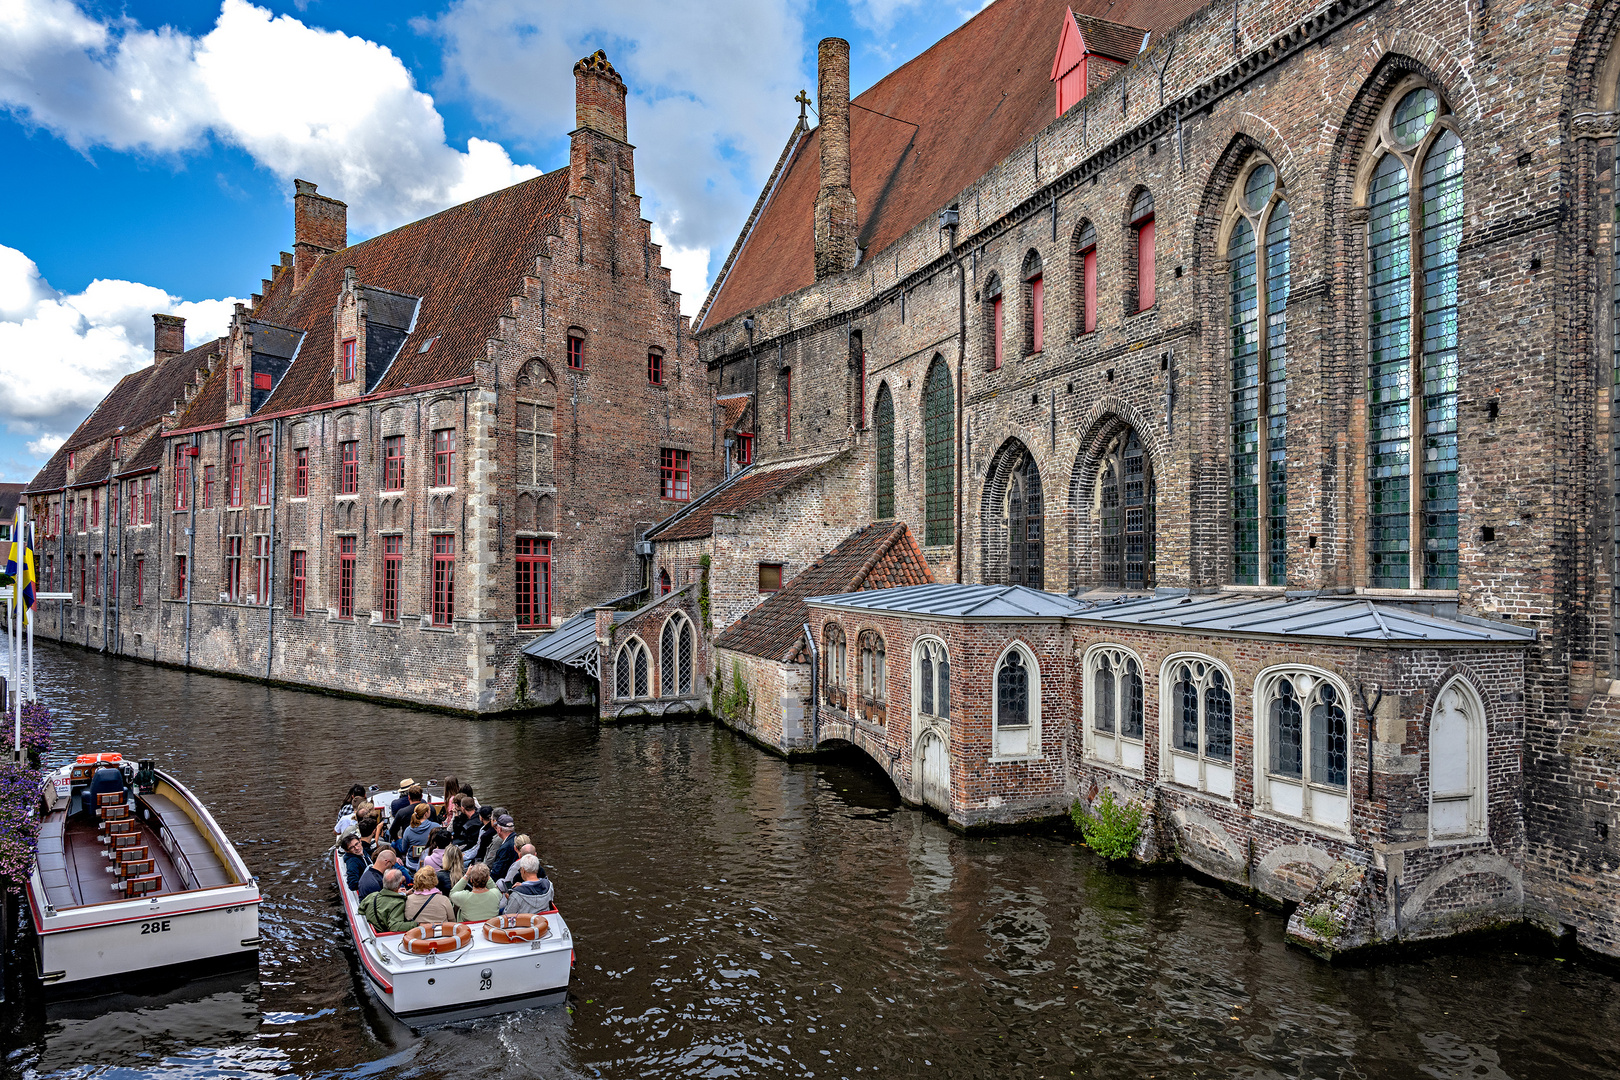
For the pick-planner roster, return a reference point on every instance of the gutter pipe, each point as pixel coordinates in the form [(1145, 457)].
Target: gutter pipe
[(815, 688)]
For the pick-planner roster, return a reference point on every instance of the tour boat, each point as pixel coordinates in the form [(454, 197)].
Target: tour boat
[(135, 883), (457, 971)]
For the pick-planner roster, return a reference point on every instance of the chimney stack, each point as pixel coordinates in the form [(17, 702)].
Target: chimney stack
[(320, 227), (168, 337), (599, 97), (835, 204)]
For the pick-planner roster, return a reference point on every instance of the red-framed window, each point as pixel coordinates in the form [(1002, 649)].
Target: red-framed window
[(146, 500), (140, 582), (72, 454), (95, 509), (296, 584), (301, 473), (95, 580), (392, 560), (665, 585), (236, 386), (770, 577), (444, 579), (117, 445), (576, 349), (238, 461), (182, 477), (348, 360), (675, 474), (233, 567), (346, 577), (179, 577), (208, 487), (261, 570), (1037, 311), (1142, 223), (348, 467), (655, 367), (394, 463), (263, 484), (533, 582), (745, 450), (444, 457)]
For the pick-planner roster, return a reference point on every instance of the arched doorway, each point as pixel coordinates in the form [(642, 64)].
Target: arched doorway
[(933, 772), (1014, 525), (1124, 509)]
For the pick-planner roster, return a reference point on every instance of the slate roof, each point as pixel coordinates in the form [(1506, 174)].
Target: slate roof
[(741, 490), (146, 459), (881, 556), (974, 97), (10, 495), (465, 263), (961, 601), (569, 643), (1353, 618)]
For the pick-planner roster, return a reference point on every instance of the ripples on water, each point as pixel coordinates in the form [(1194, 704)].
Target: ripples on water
[(737, 915)]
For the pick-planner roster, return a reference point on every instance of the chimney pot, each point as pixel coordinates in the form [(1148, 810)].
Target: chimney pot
[(835, 225), (320, 227), (168, 337)]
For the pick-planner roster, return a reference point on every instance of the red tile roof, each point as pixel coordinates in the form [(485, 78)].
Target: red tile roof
[(974, 97), (881, 556), (732, 409), (728, 497), (1111, 39)]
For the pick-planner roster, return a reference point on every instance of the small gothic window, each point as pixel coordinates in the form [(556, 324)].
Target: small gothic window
[(1114, 708), (1125, 508), (1085, 277), (1143, 233), (836, 649), (1306, 755), (630, 674), (675, 656), (933, 680), (1016, 706), (874, 675)]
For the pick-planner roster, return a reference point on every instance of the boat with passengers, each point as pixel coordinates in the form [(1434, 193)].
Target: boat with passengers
[(443, 972), (134, 879)]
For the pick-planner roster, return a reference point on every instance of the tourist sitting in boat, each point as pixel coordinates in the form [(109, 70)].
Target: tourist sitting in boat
[(413, 841), (374, 876), (452, 799), (404, 815), (385, 908), (404, 799), (348, 812), (484, 832), (354, 859), (523, 846), (500, 860), (464, 824), (473, 897), (533, 895), (369, 824), (424, 903), (446, 860)]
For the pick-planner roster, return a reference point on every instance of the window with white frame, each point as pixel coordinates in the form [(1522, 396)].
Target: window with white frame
[(1457, 780), (1017, 701), (932, 679), (630, 678), (1302, 764), (1197, 724), (1113, 707), (675, 656)]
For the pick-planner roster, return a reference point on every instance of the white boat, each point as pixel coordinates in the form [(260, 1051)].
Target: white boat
[(479, 978), (146, 884)]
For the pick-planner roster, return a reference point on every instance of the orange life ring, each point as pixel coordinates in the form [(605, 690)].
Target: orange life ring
[(436, 937), (505, 929)]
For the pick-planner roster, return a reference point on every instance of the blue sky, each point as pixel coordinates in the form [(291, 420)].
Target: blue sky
[(147, 150)]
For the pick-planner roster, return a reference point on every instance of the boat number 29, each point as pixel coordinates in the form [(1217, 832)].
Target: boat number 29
[(157, 927), (484, 981)]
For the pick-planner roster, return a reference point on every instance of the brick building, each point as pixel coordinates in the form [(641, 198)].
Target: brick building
[(407, 458), (1299, 304)]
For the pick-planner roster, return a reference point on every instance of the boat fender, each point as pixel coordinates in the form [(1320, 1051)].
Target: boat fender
[(505, 929), (436, 938)]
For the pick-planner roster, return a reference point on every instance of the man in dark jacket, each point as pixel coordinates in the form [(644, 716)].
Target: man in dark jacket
[(354, 859), (534, 895), (372, 879), (385, 908), (486, 832), (505, 852), (404, 799), (402, 816)]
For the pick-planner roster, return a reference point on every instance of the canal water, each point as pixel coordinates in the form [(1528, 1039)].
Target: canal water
[(737, 915)]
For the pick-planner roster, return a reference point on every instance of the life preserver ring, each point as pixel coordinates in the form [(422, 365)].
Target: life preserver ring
[(439, 937), (505, 929)]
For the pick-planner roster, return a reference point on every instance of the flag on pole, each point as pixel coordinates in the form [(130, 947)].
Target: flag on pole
[(20, 565)]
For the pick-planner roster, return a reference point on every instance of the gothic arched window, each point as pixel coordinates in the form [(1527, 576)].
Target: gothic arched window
[(1025, 526), (1113, 705), (1085, 278), (1415, 214), (630, 671), (939, 434), (1457, 764), (1034, 303), (933, 679), (883, 420), (1017, 706), (1197, 712), (1257, 257), (836, 651), (874, 667), (675, 656), (1303, 746), (1125, 512)]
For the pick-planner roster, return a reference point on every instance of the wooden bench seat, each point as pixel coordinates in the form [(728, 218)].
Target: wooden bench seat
[(193, 855)]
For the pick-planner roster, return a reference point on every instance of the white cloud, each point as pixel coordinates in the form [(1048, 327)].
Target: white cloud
[(46, 445), (302, 101), (710, 106), (70, 349)]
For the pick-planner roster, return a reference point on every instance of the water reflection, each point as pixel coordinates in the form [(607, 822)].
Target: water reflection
[(742, 916)]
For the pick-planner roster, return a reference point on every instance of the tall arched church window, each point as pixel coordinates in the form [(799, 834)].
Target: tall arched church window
[(1085, 277), (1143, 232), (1113, 706), (675, 656), (1025, 526), (939, 434), (874, 675), (883, 420), (933, 680), (1017, 723), (1257, 255), (630, 671), (1125, 511), (1303, 752), (1457, 764), (1034, 303), (1415, 204), (1197, 705)]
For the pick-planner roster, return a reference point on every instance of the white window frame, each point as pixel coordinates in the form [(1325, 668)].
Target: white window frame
[(1023, 740), (917, 648), (631, 642), (1197, 771), (672, 628), (1115, 751), (1312, 805), (1471, 801)]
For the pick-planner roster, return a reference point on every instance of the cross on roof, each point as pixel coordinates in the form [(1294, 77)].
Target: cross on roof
[(804, 100)]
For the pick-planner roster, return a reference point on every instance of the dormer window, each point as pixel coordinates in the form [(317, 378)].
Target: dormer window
[(117, 445), (576, 349), (348, 360)]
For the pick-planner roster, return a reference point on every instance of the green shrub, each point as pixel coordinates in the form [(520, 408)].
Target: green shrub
[(735, 703), (521, 692), (1112, 829), (1322, 924)]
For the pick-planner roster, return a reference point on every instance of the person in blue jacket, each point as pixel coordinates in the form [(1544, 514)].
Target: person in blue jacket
[(354, 859)]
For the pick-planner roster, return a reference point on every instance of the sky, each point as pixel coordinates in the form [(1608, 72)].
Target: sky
[(147, 151)]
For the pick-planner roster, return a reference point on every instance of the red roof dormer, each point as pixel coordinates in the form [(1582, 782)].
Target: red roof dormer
[(1089, 51)]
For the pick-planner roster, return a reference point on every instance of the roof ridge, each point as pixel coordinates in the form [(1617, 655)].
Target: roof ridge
[(881, 550)]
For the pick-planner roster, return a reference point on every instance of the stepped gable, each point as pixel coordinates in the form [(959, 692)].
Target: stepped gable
[(975, 96), (741, 491), (881, 556), (465, 263)]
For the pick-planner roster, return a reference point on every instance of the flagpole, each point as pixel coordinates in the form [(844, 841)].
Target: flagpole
[(16, 636), (33, 575)]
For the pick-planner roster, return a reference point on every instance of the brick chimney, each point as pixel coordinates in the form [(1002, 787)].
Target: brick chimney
[(835, 204), (320, 227), (599, 97), (168, 337)]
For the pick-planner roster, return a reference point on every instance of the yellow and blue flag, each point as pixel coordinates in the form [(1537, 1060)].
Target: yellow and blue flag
[(20, 565)]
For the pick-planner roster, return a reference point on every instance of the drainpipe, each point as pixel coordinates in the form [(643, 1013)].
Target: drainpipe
[(61, 560), (961, 389), (815, 688), (115, 632), (106, 556), (270, 584), (191, 533)]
